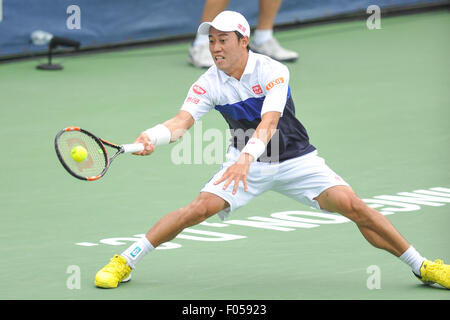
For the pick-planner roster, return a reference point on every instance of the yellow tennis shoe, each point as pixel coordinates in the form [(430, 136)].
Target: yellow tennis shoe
[(113, 273), (435, 272)]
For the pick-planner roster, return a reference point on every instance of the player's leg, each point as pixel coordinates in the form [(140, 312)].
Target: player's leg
[(213, 199), (212, 8), (203, 207), (199, 55), (309, 180), (375, 227), (268, 10), (168, 227), (263, 40), (378, 230)]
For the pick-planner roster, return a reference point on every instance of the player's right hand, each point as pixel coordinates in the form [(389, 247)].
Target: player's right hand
[(237, 172), (148, 145)]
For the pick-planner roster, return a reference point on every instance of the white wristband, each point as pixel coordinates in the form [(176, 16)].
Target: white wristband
[(255, 148), (159, 135)]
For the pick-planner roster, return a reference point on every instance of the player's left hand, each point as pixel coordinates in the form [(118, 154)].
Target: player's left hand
[(237, 172)]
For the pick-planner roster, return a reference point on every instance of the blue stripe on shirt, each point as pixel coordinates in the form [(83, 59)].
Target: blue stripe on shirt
[(249, 109)]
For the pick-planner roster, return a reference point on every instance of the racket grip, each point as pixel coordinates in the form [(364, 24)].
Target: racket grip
[(134, 147)]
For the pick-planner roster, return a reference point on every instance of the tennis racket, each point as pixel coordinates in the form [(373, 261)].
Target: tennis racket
[(96, 162)]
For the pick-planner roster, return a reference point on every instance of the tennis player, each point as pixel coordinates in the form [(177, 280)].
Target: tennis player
[(270, 150)]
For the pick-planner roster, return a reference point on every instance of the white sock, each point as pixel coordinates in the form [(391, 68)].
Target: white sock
[(201, 39), (261, 36), (137, 251), (413, 258)]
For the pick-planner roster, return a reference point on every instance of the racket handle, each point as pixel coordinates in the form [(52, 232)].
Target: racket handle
[(134, 147)]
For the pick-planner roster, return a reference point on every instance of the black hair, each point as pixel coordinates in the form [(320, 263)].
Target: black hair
[(240, 36)]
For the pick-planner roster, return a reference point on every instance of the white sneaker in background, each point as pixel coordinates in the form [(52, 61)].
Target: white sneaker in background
[(273, 49), (199, 56)]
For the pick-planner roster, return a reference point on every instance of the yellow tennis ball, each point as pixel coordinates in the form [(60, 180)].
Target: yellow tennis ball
[(79, 153)]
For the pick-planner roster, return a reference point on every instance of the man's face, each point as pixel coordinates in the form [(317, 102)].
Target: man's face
[(229, 53)]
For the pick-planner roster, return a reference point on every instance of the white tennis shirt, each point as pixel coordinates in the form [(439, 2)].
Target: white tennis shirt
[(263, 87)]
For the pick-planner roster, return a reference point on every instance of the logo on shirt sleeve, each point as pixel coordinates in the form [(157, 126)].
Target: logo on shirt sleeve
[(273, 83), (198, 90), (192, 100), (257, 89)]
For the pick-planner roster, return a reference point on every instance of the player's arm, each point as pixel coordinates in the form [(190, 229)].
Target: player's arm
[(165, 133), (276, 89), (254, 148)]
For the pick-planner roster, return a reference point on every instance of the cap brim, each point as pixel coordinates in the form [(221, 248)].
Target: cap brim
[(205, 26)]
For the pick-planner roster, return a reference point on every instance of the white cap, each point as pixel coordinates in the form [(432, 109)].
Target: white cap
[(227, 21)]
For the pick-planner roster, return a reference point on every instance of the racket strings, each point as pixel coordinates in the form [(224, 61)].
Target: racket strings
[(96, 160)]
